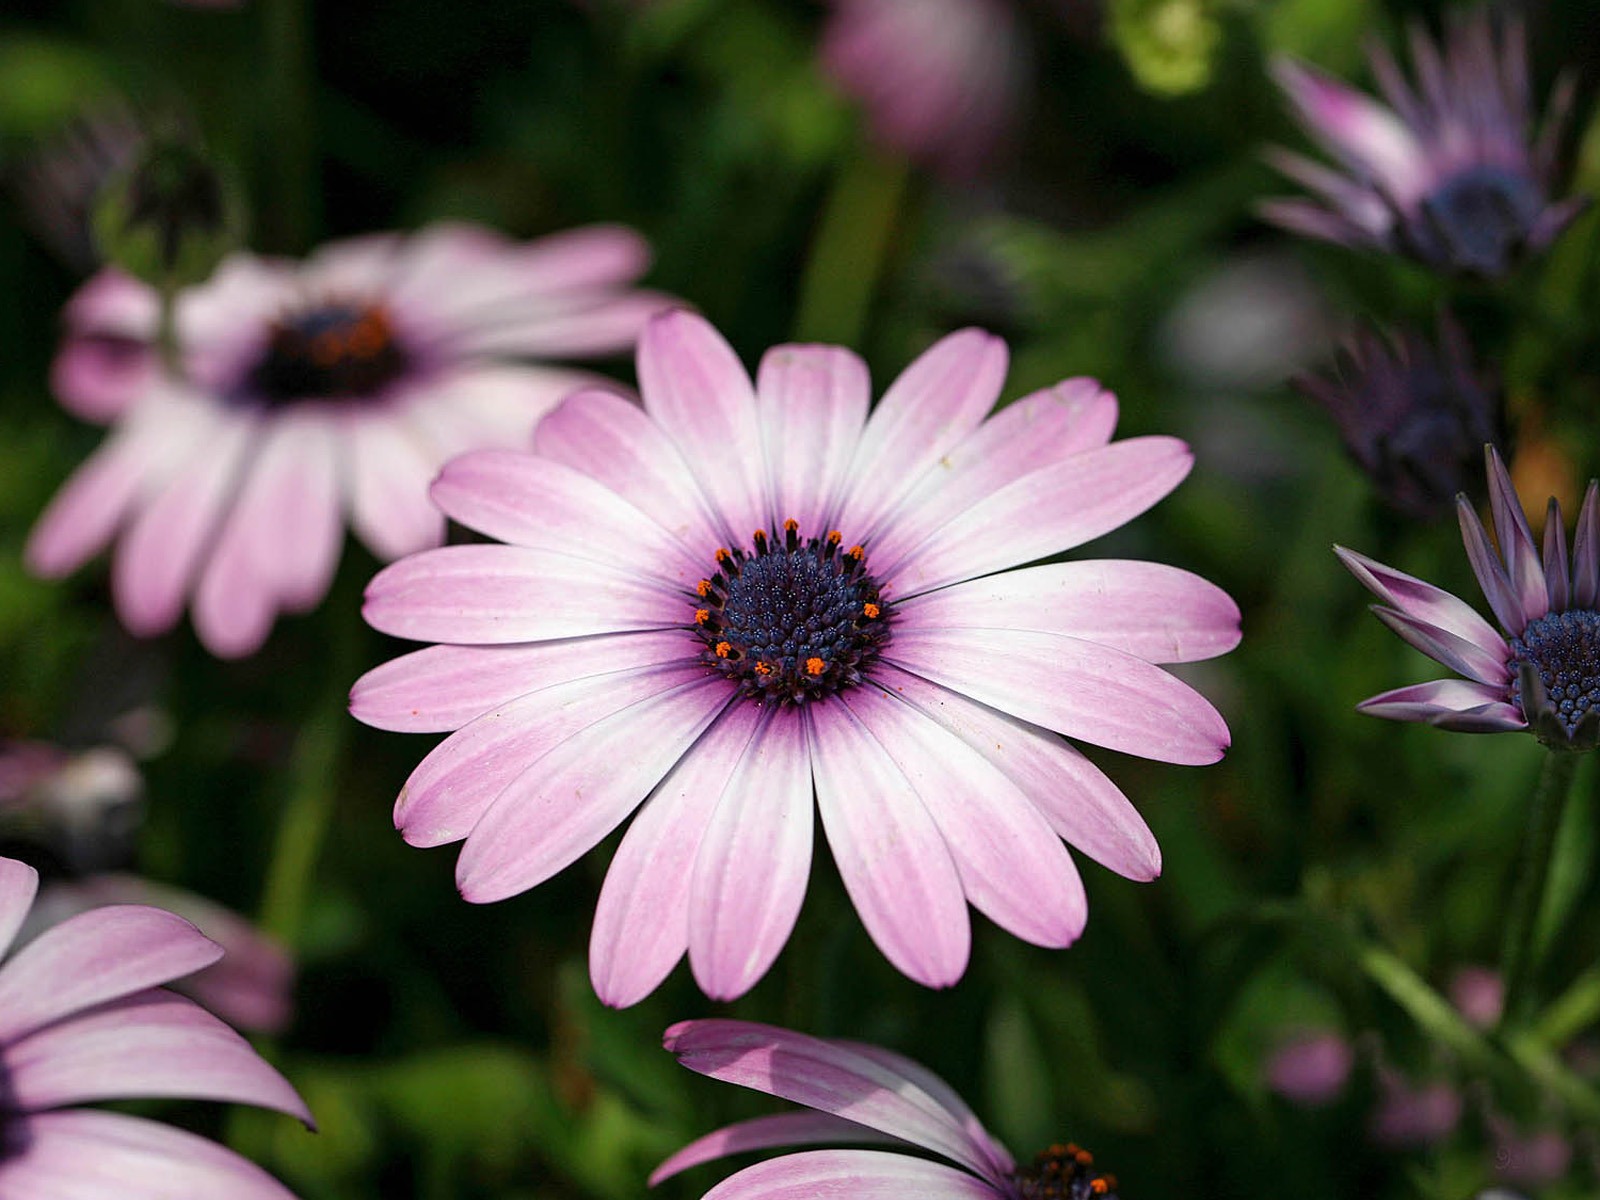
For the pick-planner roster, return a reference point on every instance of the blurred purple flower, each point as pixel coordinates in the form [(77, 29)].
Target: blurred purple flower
[(1446, 173), (862, 1094), (1412, 1115), (1413, 418), (688, 617), (1479, 995), (311, 390), (1310, 1068), (940, 79), (1542, 673), (81, 806), (250, 987), (60, 182), (83, 1017), (1533, 1160)]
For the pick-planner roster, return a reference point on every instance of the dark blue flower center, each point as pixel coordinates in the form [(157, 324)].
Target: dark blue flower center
[(333, 349), (1064, 1173), (1482, 216), (1564, 648), (791, 620)]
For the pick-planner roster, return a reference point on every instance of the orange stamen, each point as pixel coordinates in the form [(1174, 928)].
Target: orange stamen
[(702, 615), (703, 588), (815, 665), (870, 610), (723, 649), (763, 669)]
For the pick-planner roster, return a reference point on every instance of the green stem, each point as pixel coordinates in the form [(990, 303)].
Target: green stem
[(1519, 958), (167, 331), (850, 248), (288, 185)]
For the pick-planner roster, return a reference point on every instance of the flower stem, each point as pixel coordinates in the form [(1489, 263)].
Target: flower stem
[(850, 248), (1519, 958)]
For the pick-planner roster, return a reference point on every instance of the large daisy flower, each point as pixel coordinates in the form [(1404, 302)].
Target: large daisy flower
[(83, 1017), (864, 1095), (1449, 171), (1542, 673), (309, 392), (747, 605)]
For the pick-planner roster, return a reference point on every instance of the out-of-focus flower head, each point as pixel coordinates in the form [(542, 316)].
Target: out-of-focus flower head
[(1411, 1115), (1310, 1068), (250, 986), (1414, 417), (83, 1018), (744, 604), (312, 392), (1450, 171), (1540, 674), (83, 807), (940, 80), (1534, 1159), (1479, 994), (59, 183), (864, 1095)]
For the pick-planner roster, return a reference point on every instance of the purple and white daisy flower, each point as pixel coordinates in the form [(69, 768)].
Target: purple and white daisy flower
[(745, 605), (1539, 670), (84, 1017), (1448, 172), (866, 1095), (311, 393)]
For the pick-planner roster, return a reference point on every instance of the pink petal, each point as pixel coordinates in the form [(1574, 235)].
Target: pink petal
[(1082, 689), (492, 595), (754, 861), (856, 1174), (1489, 570), (454, 785), (612, 440), (1422, 600), (641, 923), (561, 806), (1364, 134), (1517, 547), (894, 861), (156, 561), (826, 1076), (1451, 703), (114, 303), (95, 957), (151, 1044), (1081, 804), (813, 404), (1035, 432), (575, 327), (1043, 513), (1460, 655), (19, 883), (99, 377), (1013, 867), (442, 688), (696, 390), (764, 1133), (945, 1095), (87, 1155), (520, 498), (491, 403), (389, 470), (936, 402), (1155, 612), (592, 256)]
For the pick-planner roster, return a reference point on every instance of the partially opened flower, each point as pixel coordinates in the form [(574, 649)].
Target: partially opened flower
[(310, 393), (1450, 172), (868, 1096), (753, 604), (83, 1017), (1543, 671), (940, 80)]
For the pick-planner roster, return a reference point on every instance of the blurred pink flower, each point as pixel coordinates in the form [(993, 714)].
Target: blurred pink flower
[(940, 79), (859, 1094), (313, 391), (83, 1017), (1533, 1160), (1479, 994), (1310, 1068), (249, 987), (689, 611), (1409, 1115)]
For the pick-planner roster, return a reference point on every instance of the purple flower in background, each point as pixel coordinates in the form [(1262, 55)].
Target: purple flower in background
[(1415, 419), (83, 807), (313, 392), (83, 1017), (1311, 1068), (738, 598), (1542, 672), (1449, 172), (862, 1094), (940, 79), (1413, 1115)]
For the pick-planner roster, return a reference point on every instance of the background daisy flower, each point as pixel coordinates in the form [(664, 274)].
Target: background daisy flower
[(750, 605), (83, 1017), (861, 1094), (312, 393)]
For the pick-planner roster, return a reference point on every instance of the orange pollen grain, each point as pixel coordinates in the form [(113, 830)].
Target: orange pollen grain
[(722, 555), (763, 669), (703, 588), (855, 552), (723, 649), (835, 537), (1099, 1187), (702, 615), (791, 526), (1083, 1157), (815, 666)]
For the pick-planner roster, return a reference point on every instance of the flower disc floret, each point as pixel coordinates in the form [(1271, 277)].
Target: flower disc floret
[(336, 348), (1064, 1172), (791, 619), (1564, 650)]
